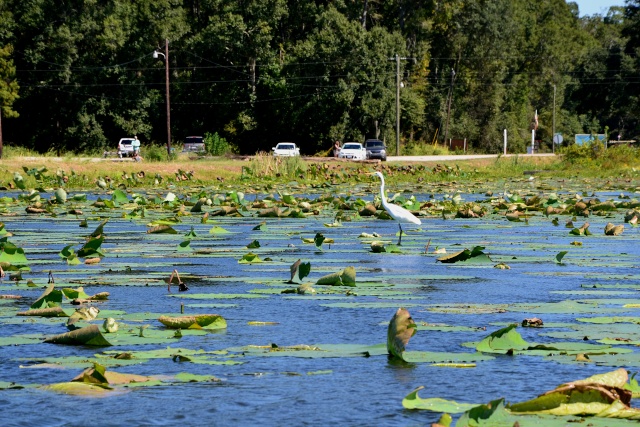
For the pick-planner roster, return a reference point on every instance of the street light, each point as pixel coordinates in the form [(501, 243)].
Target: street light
[(165, 55)]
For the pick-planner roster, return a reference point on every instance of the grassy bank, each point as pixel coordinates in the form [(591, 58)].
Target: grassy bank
[(618, 165)]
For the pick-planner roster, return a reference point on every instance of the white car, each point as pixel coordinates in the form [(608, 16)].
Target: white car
[(353, 150), (286, 149), (125, 147)]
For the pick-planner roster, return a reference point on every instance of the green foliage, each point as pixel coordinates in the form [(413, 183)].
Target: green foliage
[(314, 73), (417, 148), (266, 165), (154, 153), (216, 145)]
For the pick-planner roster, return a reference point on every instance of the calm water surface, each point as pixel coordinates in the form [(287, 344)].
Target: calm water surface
[(284, 390)]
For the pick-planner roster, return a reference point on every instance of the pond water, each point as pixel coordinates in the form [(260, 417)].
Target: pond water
[(279, 389)]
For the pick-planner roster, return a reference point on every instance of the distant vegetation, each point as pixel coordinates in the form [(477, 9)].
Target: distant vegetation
[(77, 76)]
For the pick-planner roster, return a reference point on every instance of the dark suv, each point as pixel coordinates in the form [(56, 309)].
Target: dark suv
[(375, 149), (193, 143)]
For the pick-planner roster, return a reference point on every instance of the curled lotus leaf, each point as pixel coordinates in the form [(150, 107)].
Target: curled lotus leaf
[(74, 293), (273, 212), (99, 375), (299, 270), (50, 297), (401, 328), (81, 389), (613, 230), (45, 312), (378, 247), (582, 231), (92, 247), (346, 277), (200, 321), (60, 195), (162, 229), (225, 210), (368, 210), (83, 313), (110, 325), (89, 335)]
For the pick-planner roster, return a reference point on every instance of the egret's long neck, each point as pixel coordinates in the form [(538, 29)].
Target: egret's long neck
[(383, 198)]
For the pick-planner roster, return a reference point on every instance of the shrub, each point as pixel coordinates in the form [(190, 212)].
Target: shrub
[(154, 153), (419, 149), (216, 145)]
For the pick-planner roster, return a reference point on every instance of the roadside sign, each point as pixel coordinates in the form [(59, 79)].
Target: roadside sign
[(557, 138)]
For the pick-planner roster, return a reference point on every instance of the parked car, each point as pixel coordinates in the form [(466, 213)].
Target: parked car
[(353, 150), (285, 149), (193, 143), (125, 147), (375, 149)]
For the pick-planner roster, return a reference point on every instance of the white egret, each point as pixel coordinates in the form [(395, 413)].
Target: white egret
[(396, 212)]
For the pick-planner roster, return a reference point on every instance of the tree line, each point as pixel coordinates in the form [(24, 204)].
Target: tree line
[(77, 75)]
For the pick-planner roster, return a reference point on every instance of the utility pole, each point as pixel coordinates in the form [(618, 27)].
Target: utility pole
[(397, 58), (553, 132), (166, 70), (446, 128)]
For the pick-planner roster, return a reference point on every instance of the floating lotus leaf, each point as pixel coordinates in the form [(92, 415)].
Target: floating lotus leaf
[(401, 328), (476, 254), (89, 335), (250, 258), (12, 253), (218, 230), (560, 255), (185, 246), (435, 404), (200, 321)]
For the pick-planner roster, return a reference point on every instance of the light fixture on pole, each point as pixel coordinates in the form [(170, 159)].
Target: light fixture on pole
[(165, 55)]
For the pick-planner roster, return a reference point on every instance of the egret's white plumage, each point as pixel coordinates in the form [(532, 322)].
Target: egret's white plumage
[(396, 212)]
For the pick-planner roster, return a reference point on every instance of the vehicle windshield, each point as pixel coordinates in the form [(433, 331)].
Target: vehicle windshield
[(371, 144), (351, 147), (126, 141), (284, 146), (193, 140)]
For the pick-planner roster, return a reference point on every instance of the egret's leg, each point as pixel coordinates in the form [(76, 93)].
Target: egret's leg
[(400, 238)]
